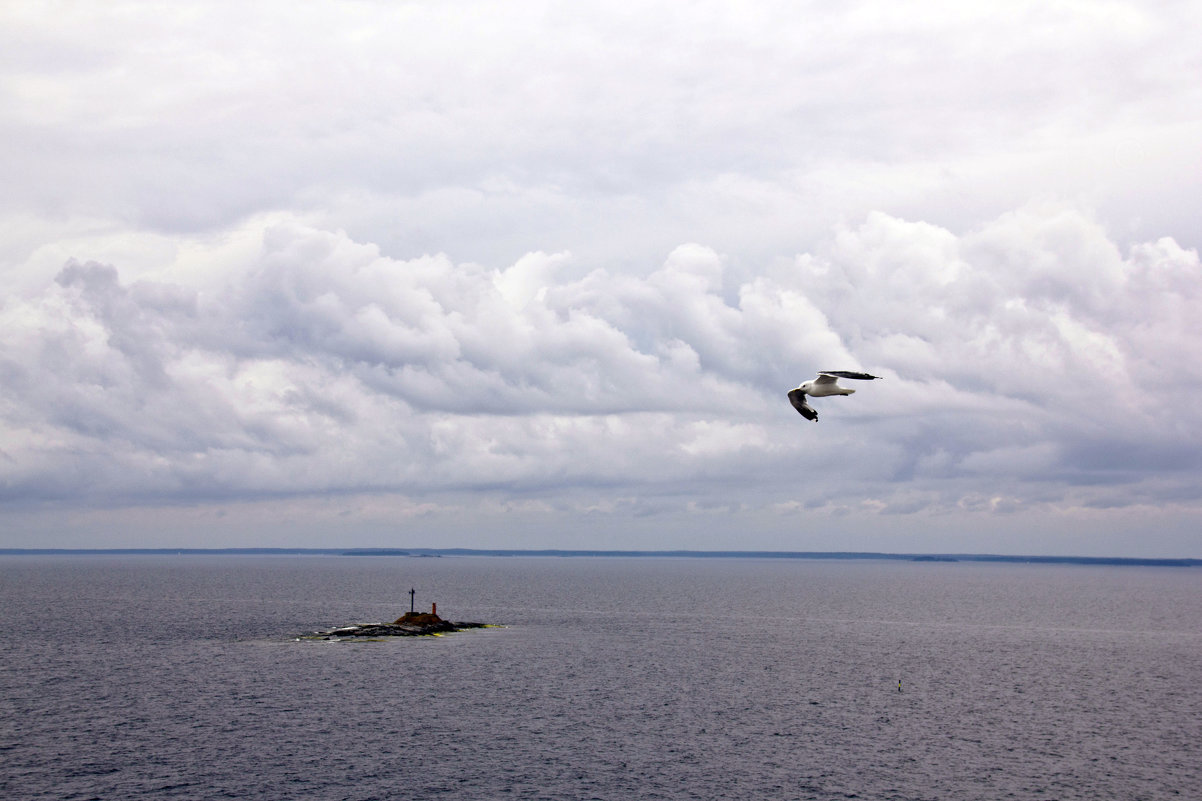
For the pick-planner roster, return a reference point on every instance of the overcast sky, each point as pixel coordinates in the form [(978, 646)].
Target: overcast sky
[(539, 274)]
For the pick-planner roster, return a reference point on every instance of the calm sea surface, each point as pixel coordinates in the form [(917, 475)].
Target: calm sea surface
[(139, 677)]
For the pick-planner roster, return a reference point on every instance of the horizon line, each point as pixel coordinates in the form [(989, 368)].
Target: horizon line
[(567, 553)]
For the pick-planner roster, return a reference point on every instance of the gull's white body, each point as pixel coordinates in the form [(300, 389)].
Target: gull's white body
[(826, 384)]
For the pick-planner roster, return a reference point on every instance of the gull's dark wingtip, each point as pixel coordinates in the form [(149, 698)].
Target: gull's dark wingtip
[(849, 374), (798, 399)]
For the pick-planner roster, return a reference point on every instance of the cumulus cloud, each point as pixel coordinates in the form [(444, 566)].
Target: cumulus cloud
[(1029, 364)]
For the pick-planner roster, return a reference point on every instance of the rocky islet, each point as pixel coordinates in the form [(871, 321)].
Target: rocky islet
[(410, 624)]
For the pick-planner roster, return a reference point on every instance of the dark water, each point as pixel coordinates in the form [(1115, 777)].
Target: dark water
[(175, 677)]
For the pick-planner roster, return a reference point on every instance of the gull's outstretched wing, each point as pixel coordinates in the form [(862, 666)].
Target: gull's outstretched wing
[(798, 399), (829, 376)]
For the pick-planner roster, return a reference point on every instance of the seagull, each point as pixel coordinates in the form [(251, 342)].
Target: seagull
[(825, 384)]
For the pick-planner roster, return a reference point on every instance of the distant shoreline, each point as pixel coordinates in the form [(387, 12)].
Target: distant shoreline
[(682, 554)]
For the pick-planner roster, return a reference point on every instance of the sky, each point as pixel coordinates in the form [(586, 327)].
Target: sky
[(539, 275)]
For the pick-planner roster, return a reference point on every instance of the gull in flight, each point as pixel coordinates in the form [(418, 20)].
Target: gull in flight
[(827, 383)]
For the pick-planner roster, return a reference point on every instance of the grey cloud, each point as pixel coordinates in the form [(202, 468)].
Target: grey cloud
[(326, 367)]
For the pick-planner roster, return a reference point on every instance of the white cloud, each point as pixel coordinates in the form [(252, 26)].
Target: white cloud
[(588, 118), (1012, 356)]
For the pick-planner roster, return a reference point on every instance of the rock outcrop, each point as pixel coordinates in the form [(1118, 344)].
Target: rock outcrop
[(410, 624)]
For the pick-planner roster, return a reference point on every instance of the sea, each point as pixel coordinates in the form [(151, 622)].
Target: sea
[(184, 677)]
